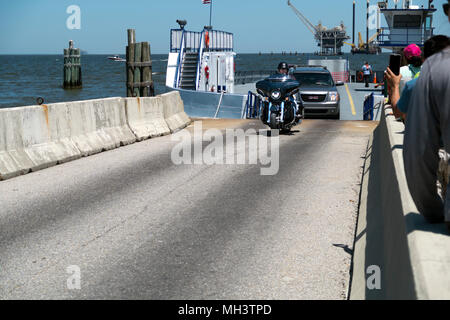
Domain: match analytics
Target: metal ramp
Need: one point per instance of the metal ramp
(189, 71)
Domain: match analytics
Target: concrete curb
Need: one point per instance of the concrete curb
(413, 255)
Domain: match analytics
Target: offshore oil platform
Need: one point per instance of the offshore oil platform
(406, 23)
(330, 41)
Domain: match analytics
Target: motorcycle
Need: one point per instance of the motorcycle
(279, 110)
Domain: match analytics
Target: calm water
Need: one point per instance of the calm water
(24, 78)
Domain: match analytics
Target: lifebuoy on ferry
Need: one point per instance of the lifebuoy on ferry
(207, 72)
(360, 76)
(207, 39)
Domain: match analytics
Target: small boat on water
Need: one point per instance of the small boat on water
(116, 58)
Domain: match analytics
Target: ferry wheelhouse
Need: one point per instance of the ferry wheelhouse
(407, 24)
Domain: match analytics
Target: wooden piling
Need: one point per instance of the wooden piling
(130, 72)
(72, 68)
(147, 88)
(131, 36)
(137, 70)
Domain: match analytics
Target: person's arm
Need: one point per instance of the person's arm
(405, 97)
(421, 146)
(394, 94)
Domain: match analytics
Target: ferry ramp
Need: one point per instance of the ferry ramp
(139, 226)
(352, 101)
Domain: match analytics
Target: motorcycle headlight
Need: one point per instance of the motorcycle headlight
(334, 96)
(276, 95)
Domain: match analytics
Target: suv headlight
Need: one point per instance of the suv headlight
(334, 96)
(276, 94)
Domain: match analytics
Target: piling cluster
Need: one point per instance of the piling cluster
(139, 68)
(72, 67)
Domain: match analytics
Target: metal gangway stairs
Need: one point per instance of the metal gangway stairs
(188, 76)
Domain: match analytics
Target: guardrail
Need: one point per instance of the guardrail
(370, 105)
(253, 106)
(403, 37)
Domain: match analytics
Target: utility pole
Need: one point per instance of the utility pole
(367, 26)
(354, 15)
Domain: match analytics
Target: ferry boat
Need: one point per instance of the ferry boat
(201, 67)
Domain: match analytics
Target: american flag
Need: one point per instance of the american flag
(206, 1)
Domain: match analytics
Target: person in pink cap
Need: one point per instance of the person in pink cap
(413, 56)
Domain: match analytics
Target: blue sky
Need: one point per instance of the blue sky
(39, 26)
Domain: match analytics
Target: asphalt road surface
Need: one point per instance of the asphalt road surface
(137, 226)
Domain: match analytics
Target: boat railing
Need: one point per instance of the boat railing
(370, 106)
(180, 59)
(243, 77)
(253, 106)
(199, 60)
(218, 40)
(403, 37)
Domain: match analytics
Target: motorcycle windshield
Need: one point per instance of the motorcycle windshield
(281, 83)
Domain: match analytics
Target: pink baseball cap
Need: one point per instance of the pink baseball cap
(412, 50)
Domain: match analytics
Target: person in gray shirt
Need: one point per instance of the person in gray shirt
(427, 127)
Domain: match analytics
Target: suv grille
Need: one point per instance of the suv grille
(313, 97)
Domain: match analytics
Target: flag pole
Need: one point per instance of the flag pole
(210, 13)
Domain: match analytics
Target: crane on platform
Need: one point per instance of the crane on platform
(363, 47)
(302, 18)
(330, 41)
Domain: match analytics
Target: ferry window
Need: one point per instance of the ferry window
(428, 22)
(407, 21)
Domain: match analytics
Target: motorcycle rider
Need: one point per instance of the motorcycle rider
(283, 68)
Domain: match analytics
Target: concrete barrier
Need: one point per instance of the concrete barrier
(145, 117)
(36, 137)
(174, 113)
(412, 256)
(99, 125)
(32, 140)
(13, 159)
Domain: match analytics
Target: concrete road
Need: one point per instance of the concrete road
(140, 227)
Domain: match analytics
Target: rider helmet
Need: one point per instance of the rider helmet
(283, 66)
